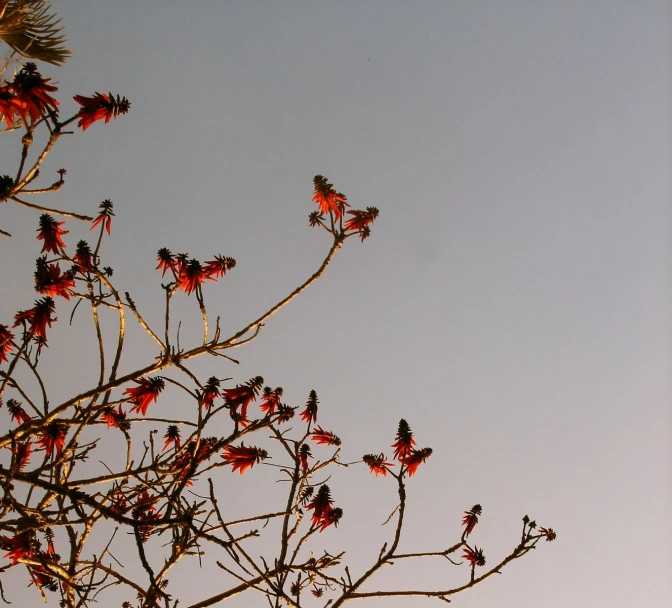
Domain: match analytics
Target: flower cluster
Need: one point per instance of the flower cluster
(324, 515)
(243, 457)
(141, 396)
(190, 274)
(100, 106)
(27, 97)
(404, 451)
(240, 397)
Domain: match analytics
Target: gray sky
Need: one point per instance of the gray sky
(512, 302)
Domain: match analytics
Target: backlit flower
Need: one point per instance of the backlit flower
(191, 276)
(360, 220)
(17, 412)
(83, 256)
(8, 105)
(101, 105)
(115, 418)
(415, 459)
(317, 591)
(166, 261)
(324, 514)
(50, 232)
(172, 437)
(405, 442)
(241, 396)
(31, 93)
(470, 519)
(104, 216)
(474, 556)
(50, 281)
(243, 457)
(327, 198)
(6, 344)
(304, 455)
(22, 451)
(38, 318)
(53, 436)
(219, 266)
(285, 413)
(309, 414)
(141, 396)
(210, 392)
(21, 546)
(187, 458)
(322, 437)
(549, 533)
(271, 400)
(377, 464)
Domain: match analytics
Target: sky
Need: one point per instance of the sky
(512, 303)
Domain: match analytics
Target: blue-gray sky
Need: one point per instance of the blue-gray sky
(513, 301)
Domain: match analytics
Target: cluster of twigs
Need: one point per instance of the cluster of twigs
(166, 496)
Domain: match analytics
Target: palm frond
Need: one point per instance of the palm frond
(32, 30)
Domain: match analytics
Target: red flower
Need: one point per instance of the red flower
(309, 414)
(17, 412)
(377, 464)
(115, 418)
(101, 105)
(470, 519)
(50, 232)
(322, 437)
(327, 198)
(166, 261)
(6, 344)
(241, 396)
(416, 458)
(190, 455)
(83, 256)
(31, 93)
(39, 317)
(21, 546)
(172, 436)
(141, 396)
(219, 266)
(549, 533)
(360, 220)
(474, 556)
(53, 436)
(271, 400)
(304, 455)
(317, 591)
(323, 513)
(105, 216)
(404, 443)
(191, 276)
(50, 281)
(22, 451)
(243, 457)
(144, 510)
(285, 413)
(8, 105)
(210, 393)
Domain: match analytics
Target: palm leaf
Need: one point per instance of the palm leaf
(31, 30)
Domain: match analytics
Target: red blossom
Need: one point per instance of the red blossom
(50, 232)
(104, 216)
(327, 198)
(38, 317)
(166, 261)
(271, 400)
(145, 510)
(83, 256)
(285, 413)
(415, 459)
(309, 414)
(17, 412)
(470, 519)
(115, 418)
(404, 443)
(360, 220)
(322, 437)
(191, 276)
(189, 454)
(317, 591)
(377, 464)
(241, 396)
(8, 105)
(549, 533)
(6, 344)
(219, 266)
(22, 451)
(101, 105)
(474, 556)
(304, 455)
(172, 437)
(243, 457)
(324, 514)
(31, 93)
(21, 546)
(209, 393)
(141, 396)
(50, 281)
(53, 436)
